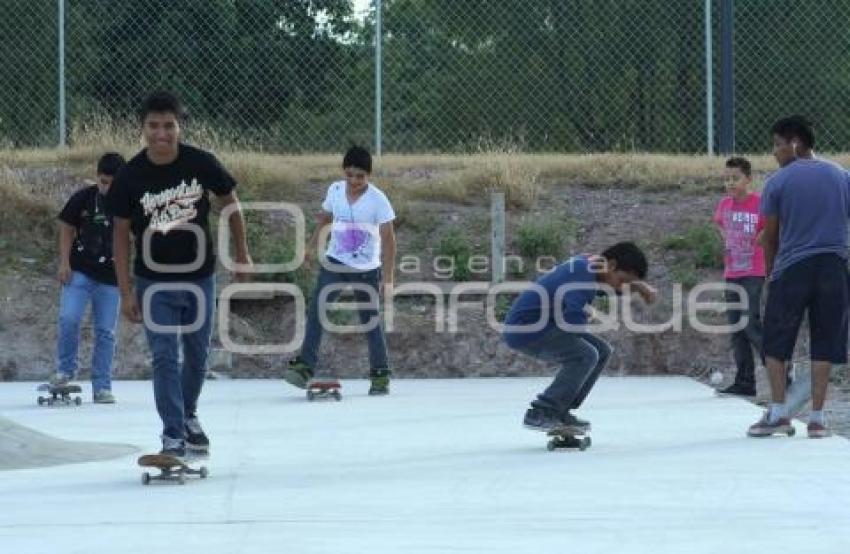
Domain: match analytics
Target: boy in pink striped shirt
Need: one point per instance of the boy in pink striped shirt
(740, 224)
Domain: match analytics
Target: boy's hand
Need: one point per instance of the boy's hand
(386, 291)
(310, 258)
(130, 308)
(648, 293)
(244, 274)
(64, 273)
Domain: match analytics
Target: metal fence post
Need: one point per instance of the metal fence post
(709, 82)
(62, 107)
(379, 8)
(497, 236)
(727, 93)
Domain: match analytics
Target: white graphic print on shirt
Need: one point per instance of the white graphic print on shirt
(172, 207)
(740, 239)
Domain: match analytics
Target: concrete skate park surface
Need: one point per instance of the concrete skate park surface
(438, 466)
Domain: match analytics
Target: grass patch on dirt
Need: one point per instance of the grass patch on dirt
(27, 224)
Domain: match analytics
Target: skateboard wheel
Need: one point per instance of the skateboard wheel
(791, 432)
(146, 478)
(550, 446)
(203, 472)
(41, 401)
(78, 401)
(338, 396)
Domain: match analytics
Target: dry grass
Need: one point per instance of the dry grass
(27, 221)
(467, 179)
(462, 179)
(269, 176)
(27, 209)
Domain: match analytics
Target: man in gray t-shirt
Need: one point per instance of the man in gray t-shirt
(805, 205)
(810, 197)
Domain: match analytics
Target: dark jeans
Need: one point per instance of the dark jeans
(748, 339)
(177, 383)
(582, 358)
(375, 337)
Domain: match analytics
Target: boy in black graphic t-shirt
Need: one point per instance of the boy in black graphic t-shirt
(87, 274)
(161, 195)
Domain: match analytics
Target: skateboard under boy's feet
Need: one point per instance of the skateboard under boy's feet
(59, 394)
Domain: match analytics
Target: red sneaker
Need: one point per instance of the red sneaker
(766, 428)
(818, 430)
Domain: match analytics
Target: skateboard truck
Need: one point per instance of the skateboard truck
(567, 439)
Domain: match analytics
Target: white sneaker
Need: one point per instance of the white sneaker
(103, 396)
(59, 379)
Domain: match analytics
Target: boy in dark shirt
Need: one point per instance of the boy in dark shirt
(162, 196)
(581, 355)
(87, 274)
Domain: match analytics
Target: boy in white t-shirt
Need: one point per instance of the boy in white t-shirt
(361, 253)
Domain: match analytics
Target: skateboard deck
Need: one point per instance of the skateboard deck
(324, 390)
(59, 395)
(170, 469)
(568, 438)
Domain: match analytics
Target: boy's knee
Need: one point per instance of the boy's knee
(104, 332)
(68, 321)
(590, 358)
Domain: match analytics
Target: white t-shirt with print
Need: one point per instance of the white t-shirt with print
(355, 238)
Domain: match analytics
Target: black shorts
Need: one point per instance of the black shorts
(818, 284)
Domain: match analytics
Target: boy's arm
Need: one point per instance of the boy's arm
(770, 241)
(66, 239)
(388, 251)
(121, 255)
(717, 219)
(313, 247)
(237, 229)
(646, 291)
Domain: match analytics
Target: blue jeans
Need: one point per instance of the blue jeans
(313, 333)
(582, 357)
(105, 300)
(177, 384)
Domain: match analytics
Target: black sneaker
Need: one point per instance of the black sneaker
(538, 419)
(737, 389)
(173, 447)
(570, 420)
(380, 382)
(298, 374)
(196, 439)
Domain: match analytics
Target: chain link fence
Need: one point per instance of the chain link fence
(543, 75)
(792, 57)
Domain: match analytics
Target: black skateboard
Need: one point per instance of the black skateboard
(170, 469)
(59, 395)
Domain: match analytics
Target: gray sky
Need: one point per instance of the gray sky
(360, 6)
